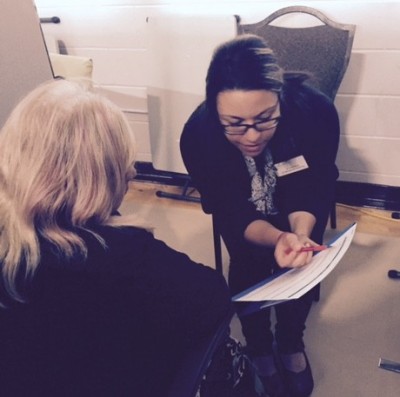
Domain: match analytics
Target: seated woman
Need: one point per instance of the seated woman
(90, 304)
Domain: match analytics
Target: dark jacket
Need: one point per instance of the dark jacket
(115, 324)
(309, 127)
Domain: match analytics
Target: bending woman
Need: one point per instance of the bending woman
(90, 305)
(261, 150)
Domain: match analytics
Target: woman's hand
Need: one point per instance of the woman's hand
(288, 250)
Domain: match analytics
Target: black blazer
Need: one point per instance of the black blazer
(309, 127)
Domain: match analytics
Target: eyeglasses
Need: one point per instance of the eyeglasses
(259, 126)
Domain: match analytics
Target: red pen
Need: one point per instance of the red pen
(314, 249)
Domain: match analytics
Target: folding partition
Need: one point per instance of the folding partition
(24, 61)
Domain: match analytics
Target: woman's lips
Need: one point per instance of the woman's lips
(252, 148)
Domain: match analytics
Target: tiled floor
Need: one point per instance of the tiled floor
(357, 319)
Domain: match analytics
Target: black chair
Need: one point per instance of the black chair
(188, 378)
(323, 50)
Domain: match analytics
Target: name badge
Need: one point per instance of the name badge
(290, 166)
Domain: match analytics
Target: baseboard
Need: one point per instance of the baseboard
(146, 172)
(349, 193)
(368, 195)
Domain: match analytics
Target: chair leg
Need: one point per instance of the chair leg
(217, 246)
(333, 216)
(317, 293)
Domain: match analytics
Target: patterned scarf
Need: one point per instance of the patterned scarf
(262, 187)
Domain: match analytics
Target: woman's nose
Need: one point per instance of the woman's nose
(252, 135)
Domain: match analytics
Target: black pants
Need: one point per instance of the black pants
(257, 327)
(252, 266)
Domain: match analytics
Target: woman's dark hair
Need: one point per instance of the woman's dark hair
(243, 63)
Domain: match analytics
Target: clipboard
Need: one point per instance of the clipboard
(289, 284)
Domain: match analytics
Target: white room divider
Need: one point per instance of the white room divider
(179, 51)
(24, 62)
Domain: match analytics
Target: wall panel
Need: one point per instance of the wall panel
(113, 33)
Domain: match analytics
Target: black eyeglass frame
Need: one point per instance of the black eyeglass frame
(254, 125)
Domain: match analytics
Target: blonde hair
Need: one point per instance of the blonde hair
(66, 155)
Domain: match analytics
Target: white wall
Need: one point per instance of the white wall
(113, 34)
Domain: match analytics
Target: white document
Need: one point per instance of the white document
(294, 283)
